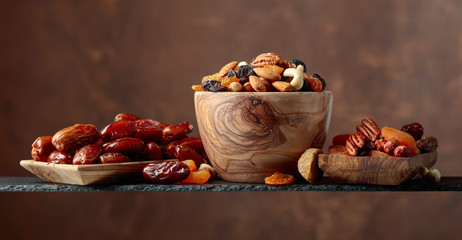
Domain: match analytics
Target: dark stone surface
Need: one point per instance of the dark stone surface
(33, 184)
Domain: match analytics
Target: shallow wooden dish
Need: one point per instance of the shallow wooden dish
(250, 135)
(83, 174)
(374, 170)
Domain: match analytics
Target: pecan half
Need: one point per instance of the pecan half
(354, 143)
(369, 129)
(267, 59)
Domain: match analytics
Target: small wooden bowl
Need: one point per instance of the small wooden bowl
(374, 170)
(250, 135)
(83, 174)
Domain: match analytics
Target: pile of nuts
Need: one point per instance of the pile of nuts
(370, 140)
(127, 138)
(268, 72)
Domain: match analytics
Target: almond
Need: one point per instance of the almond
(226, 68)
(283, 86)
(267, 74)
(257, 84)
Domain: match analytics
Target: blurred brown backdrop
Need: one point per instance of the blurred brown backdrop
(67, 62)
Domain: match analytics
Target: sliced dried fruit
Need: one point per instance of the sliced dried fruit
(278, 179)
(191, 164)
(308, 165)
(403, 138)
(198, 177)
(227, 81)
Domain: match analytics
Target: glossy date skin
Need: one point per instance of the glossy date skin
(41, 148)
(113, 157)
(74, 137)
(119, 129)
(124, 145)
(166, 172)
(148, 130)
(87, 154)
(175, 132)
(60, 157)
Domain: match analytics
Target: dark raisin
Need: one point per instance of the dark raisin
(245, 71)
(320, 79)
(232, 73)
(243, 80)
(213, 86)
(298, 62)
(306, 87)
(166, 172)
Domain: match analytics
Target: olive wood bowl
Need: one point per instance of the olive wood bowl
(374, 170)
(250, 135)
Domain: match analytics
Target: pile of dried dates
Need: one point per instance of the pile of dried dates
(130, 138)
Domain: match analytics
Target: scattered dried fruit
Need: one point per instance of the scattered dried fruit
(166, 172)
(403, 138)
(278, 179)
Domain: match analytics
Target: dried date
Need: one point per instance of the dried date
(113, 157)
(119, 129)
(60, 157)
(124, 145)
(87, 154)
(74, 137)
(166, 172)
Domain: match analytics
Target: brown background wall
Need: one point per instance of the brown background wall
(66, 62)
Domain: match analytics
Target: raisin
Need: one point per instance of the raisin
(297, 62)
(245, 71)
(244, 80)
(279, 179)
(166, 172)
(306, 87)
(320, 79)
(232, 73)
(213, 86)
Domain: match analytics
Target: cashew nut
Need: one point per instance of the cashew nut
(242, 63)
(297, 74)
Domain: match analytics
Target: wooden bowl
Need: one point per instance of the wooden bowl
(373, 170)
(84, 174)
(250, 135)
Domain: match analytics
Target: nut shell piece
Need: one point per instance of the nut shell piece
(308, 165)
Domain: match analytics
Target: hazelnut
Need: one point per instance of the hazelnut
(427, 144)
(402, 151)
(390, 146)
(379, 143)
(210, 169)
(433, 175)
(415, 129)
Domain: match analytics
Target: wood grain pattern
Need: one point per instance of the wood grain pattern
(373, 170)
(83, 174)
(249, 136)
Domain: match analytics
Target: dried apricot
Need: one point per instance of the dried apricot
(275, 68)
(403, 138)
(215, 76)
(191, 164)
(227, 81)
(315, 83)
(198, 177)
(278, 179)
(197, 88)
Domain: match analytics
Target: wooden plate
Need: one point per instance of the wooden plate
(83, 174)
(374, 170)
